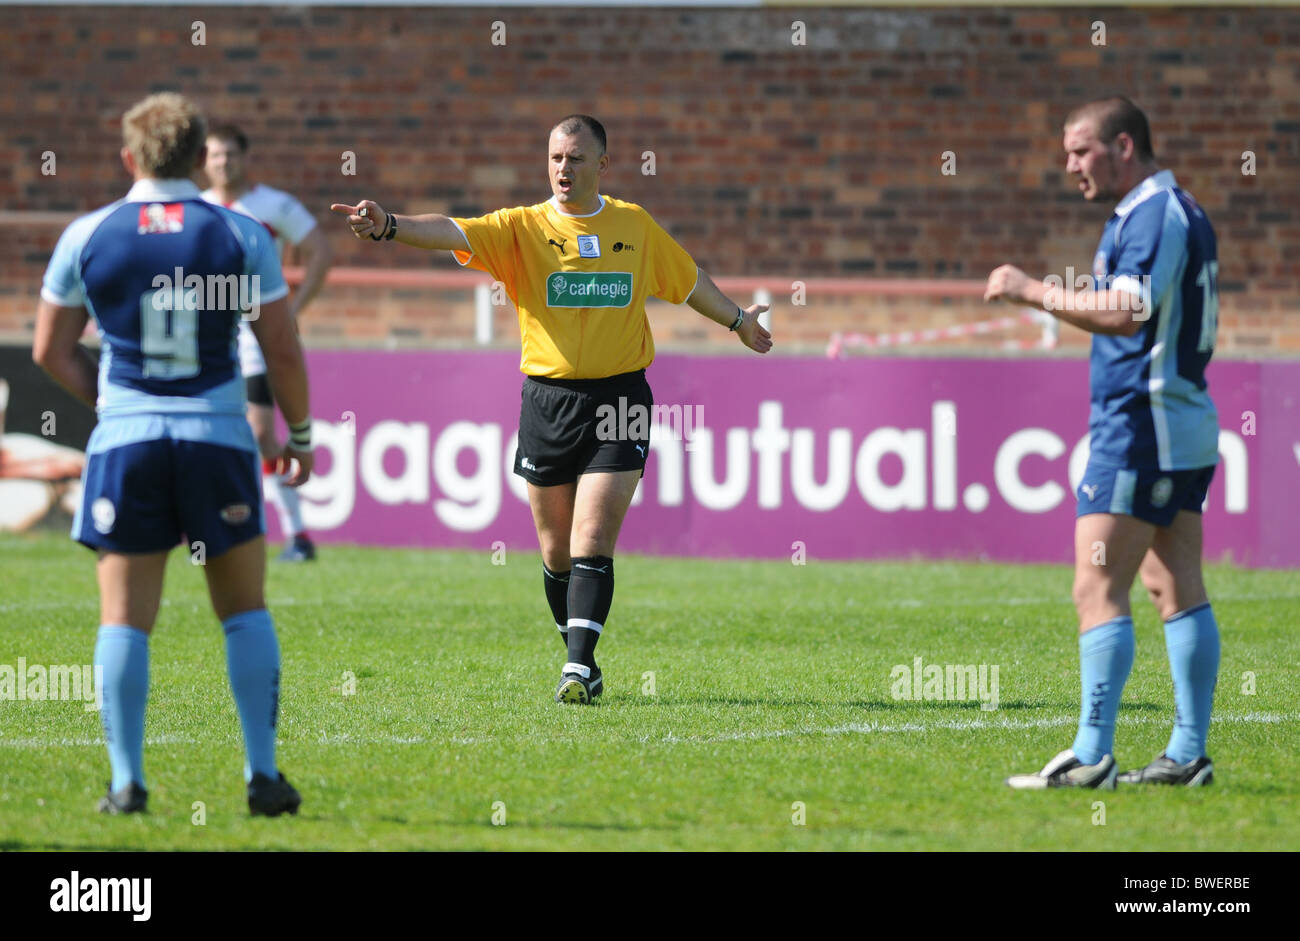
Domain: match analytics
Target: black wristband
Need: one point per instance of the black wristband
(740, 318)
(392, 227)
(388, 223)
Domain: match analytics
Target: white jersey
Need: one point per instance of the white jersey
(289, 222)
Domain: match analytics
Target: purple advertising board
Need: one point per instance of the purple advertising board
(763, 457)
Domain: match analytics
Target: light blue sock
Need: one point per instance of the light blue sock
(1192, 638)
(1105, 658)
(122, 662)
(253, 661)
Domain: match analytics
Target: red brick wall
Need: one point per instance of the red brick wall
(797, 161)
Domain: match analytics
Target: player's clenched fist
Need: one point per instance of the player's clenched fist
(367, 218)
(1009, 283)
(295, 465)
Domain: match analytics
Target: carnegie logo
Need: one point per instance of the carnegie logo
(589, 289)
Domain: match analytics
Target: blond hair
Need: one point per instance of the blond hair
(164, 133)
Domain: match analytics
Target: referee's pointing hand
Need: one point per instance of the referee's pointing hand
(366, 218)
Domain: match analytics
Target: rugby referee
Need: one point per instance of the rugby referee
(579, 268)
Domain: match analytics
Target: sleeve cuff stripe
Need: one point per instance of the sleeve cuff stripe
(467, 251)
(61, 301)
(1128, 285)
(693, 286)
(306, 232)
(270, 297)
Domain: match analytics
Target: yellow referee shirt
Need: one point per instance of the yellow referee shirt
(580, 282)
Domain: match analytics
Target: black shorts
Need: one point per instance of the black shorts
(258, 390)
(569, 427)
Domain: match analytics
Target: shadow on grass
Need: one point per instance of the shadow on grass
(19, 846)
(38, 846)
(10, 846)
(869, 705)
(563, 825)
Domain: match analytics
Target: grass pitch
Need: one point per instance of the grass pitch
(748, 706)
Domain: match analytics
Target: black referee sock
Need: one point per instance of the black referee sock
(557, 596)
(591, 592)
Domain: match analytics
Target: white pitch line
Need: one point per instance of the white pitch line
(343, 739)
(95, 742)
(852, 728)
(875, 728)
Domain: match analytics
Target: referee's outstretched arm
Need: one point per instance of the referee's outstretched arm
(438, 233)
(709, 300)
(432, 231)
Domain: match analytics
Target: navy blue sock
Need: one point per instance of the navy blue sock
(1192, 639)
(122, 668)
(253, 661)
(1105, 659)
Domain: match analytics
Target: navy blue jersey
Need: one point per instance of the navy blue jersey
(1150, 404)
(166, 277)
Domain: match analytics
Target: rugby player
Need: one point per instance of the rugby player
(172, 453)
(1153, 434)
(579, 268)
(289, 222)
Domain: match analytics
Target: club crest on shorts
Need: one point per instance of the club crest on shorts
(589, 246)
(104, 515)
(1161, 492)
(236, 514)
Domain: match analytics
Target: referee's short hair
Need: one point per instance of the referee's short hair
(1116, 115)
(575, 122)
(165, 134)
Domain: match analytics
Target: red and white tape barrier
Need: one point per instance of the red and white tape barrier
(916, 337)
